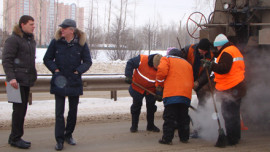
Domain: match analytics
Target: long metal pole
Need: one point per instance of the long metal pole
(212, 94)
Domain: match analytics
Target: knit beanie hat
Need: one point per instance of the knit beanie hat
(220, 40)
(204, 44)
(156, 60)
(169, 49)
(176, 52)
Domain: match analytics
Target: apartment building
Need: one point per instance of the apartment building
(48, 14)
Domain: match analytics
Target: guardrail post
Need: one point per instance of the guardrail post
(30, 98)
(114, 94)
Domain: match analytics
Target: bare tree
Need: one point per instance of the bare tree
(149, 32)
(90, 23)
(119, 34)
(109, 22)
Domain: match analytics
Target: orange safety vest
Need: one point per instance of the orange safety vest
(176, 76)
(190, 58)
(235, 75)
(144, 75)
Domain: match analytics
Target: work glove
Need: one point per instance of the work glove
(196, 85)
(206, 63)
(159, 93)
(158, 98)
(128, 80)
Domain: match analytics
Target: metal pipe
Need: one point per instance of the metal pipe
(251, 24)
(90, 83)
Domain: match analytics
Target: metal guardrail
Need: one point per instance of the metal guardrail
(97, 82)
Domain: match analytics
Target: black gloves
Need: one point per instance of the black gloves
(196, 85)
(159, 98)
(206, 63)
(128, 80)
(159, 93)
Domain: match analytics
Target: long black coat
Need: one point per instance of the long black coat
(19, 58)
(68, 58)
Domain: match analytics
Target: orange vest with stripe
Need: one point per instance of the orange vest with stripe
(176, 76)
(190, 58)
(235, 75)
(144, 75)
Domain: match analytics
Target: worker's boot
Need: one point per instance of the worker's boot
(194, 134)
(150, 123)
(134, 123)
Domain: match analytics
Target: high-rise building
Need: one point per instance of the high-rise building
(48, 14)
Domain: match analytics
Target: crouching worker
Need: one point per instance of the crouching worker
(144, 75)
(175, 75)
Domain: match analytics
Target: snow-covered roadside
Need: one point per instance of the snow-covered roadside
(45, 110)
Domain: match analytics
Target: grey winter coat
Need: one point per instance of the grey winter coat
(19, 57)
(68, 58)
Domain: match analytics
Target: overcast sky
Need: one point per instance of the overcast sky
(163, 11)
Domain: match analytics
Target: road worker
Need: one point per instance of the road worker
(175, 76)
(193, 54)
(229, 72)
(140, 70)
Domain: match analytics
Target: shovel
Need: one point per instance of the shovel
(152, 93)
(221, 142)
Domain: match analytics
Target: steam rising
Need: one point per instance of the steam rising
(205, 121)
(255, 106)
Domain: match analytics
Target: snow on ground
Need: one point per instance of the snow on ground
(43, 112)
(45, 109)
(101, 65)
(87, 106)
(101, 57)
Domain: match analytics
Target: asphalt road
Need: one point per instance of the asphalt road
(114, 136)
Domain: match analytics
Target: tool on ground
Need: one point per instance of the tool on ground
(221, 142)
(152, 93)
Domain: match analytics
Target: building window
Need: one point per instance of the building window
(26, 7)
(73, 11)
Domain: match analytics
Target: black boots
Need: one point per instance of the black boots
(150, 125)
(70, 140)
(162, 141)
(134, 122)
(133, 129)
(152, 128)
(20, 144)
(59, 146)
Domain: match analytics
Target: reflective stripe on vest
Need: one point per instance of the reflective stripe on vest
(147, 79)
(238, 59)
(236, 73)
(144, 75)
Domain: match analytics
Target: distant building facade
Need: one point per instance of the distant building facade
(48, 14)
